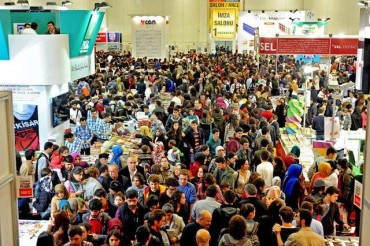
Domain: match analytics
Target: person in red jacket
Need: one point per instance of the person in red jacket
(268, 114)
(234, 143)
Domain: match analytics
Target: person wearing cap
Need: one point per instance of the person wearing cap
(174, 224)
(220, 152)
(318, 191)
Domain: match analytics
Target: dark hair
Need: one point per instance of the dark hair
(176, 197)
(48, 145)
(103, 168)
(238, 129)
(156, 215)
(86, 225)
(286, 214)
(29, 154)
(229, 196)
(131, 194)
(220, 159)
(100, 193)
(34, 25)
(62, 149)
(74, 230)
(151, 201)
(61, 220)
(215, 130)
(82, 119)
(75, 170)
(265, 130)
(237, 227)
(142, 234)
(211, 191)
(51, 22)
(265, 155)
(305, 214)
(45, 171)
(246, 209)
(343, 163)
(243, 141)
(307, 205)
(115, 186)
(264, 142)
(68, 135)
(45, 239)
(95, 204)
(68, 159)
(172, 181)
(141, 178)
(331, 150)
(331, 190)
(116, 234)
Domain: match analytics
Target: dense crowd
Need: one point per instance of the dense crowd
(205, 171)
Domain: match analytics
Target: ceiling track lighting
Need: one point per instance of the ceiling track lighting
(102, 5)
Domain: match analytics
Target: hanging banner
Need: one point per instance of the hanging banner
(26, 126)
(309, 46)
(223, 21)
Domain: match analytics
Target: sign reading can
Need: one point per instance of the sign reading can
(148, 22)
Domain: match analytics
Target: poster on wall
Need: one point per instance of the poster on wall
(148, 36)
(26, 126)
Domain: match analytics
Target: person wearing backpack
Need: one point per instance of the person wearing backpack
(222, 215)
(236, 233)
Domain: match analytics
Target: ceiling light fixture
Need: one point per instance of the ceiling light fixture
(66, 3)
(23, 2)
(102, 5)
(323, 19)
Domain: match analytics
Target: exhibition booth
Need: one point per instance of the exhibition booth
(37, 69)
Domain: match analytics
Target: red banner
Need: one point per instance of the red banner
(341, 46)
(308, 46)
(101, 38)
(268, 46)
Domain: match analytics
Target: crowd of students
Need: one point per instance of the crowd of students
(205, 172)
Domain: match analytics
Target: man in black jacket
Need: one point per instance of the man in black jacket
(203, 221)
(131, 168)
(331, 213)
(113, 171)
(251, 193)
(131, 214)
(318, 124)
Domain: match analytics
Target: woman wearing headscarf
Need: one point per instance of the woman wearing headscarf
(117, 156)
(147, 136)
(325, 170)
(292, 186)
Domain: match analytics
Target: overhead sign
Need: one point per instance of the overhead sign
(223, 23)
(223, 18)
(101, 38)
(308, 46)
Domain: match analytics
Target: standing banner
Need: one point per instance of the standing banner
(24, 186)
(357, 201)
(223, 18)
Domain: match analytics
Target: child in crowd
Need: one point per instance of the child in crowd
(119, 199)
(174, 154)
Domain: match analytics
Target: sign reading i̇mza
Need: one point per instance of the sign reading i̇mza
(223, 23)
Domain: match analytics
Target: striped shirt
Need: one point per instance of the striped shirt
(75, 146)
(102, 128)
(94, 124)
(85, 134)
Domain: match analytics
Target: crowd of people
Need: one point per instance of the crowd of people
(205, 172)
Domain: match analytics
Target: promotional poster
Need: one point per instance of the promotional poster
(26, 126)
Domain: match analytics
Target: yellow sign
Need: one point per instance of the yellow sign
(223, 23)
(223, 18)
